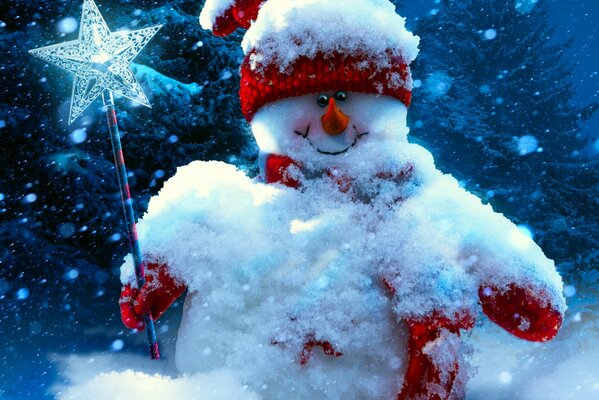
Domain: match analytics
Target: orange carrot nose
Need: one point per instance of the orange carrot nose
(334, 121)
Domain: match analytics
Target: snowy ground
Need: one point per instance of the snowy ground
(508, 368)
(565, 368)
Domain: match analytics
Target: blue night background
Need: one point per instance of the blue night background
(506, 93)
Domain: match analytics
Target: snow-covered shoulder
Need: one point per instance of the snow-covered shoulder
(200, 216)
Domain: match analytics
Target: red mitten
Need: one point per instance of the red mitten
(521, 311)
(157, 294)
(422, 370)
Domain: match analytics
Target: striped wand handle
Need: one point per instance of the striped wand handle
(117, 150)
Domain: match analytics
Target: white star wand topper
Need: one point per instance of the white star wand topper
(100, 61)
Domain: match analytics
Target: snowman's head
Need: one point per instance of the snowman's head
(320, 75)
(328, 124)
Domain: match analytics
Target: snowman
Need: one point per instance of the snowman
(351, 267)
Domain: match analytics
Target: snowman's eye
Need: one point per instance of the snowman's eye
(340, 96)
(323, 100)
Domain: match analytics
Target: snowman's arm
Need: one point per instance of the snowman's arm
(184, 216)
(520, 289)
(156, 295)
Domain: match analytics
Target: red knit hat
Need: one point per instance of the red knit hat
(267, 77)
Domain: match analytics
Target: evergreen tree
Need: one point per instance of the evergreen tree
(62, 236)
(191, 80)
(495, 106)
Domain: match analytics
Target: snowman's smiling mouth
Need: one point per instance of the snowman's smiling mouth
(332, 153)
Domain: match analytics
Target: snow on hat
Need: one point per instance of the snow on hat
(297, 47)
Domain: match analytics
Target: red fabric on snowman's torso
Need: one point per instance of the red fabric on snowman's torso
(515, 308)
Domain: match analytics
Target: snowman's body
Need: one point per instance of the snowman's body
(350, 267)
(303, 292)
